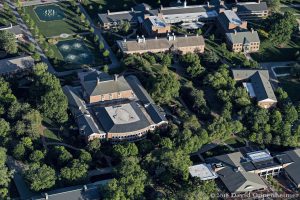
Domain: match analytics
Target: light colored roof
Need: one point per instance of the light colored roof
(99, 83)
(203, 171)
(15, 64)
(160, 43)
(243, 37)
(122, 122)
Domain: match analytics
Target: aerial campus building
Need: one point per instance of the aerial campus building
(243, 171)
(182, 45)
(238, 38)
(230, 20)
(258, 85)
(115, 108)
(184, 13)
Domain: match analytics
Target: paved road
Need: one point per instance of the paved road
(30, 37)
(115, 62)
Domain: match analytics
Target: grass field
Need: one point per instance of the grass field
(95, 56)
(70, 24)
(291, 86)
(269, 53)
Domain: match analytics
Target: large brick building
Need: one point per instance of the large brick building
(115, 108)
(172, 43)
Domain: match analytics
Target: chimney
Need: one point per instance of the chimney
(161, 7)
(156, 37)
(258, 1)
(208, 5)
(174, 37)
(132, 10)
(185, 35)
(234, 9)
(221, 3)
(98, 80)
(252, 30)
(144, 39)
(125, 40)
(235, 32)
(108, 12)
(184, 4)
(115, 77)
(46, 196)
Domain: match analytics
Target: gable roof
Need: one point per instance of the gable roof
(160, 43)
(242, 36)
(85, 122)
(11, 65)
(251, 7)
(240, 181)
(98, 83)
(260, 80)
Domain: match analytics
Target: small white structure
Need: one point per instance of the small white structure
(203, 171)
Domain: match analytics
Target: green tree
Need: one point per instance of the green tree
(282, 28)
(130, 181)
(19, 151)
(8, 42)
(165, 87)
(63, 155)
(85, 157)
(75, 173)
(191, 62)
(106, 53)
(4, 128)
(94, 146)
(36, 156)
(5, 175)
(40, 177)
(51, 100)
(101, 46)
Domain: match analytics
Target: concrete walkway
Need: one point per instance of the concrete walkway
(114, 61)
(30, 37)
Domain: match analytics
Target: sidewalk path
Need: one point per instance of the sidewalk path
(30, 37)
(114, 61)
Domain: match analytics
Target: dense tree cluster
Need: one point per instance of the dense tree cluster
(191, 62)
(282, 27)
(8, 42)
(5, 174)
(48, 94)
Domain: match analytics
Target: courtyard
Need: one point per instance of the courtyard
(56, 19)
(76, 53)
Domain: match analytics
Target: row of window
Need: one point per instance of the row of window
(130, 136)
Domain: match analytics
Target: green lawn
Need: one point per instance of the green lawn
(235, 142)
(294, 10)
(291, 86)
(70, 24)
(51, 136)
(269, 53)
(60, 64)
